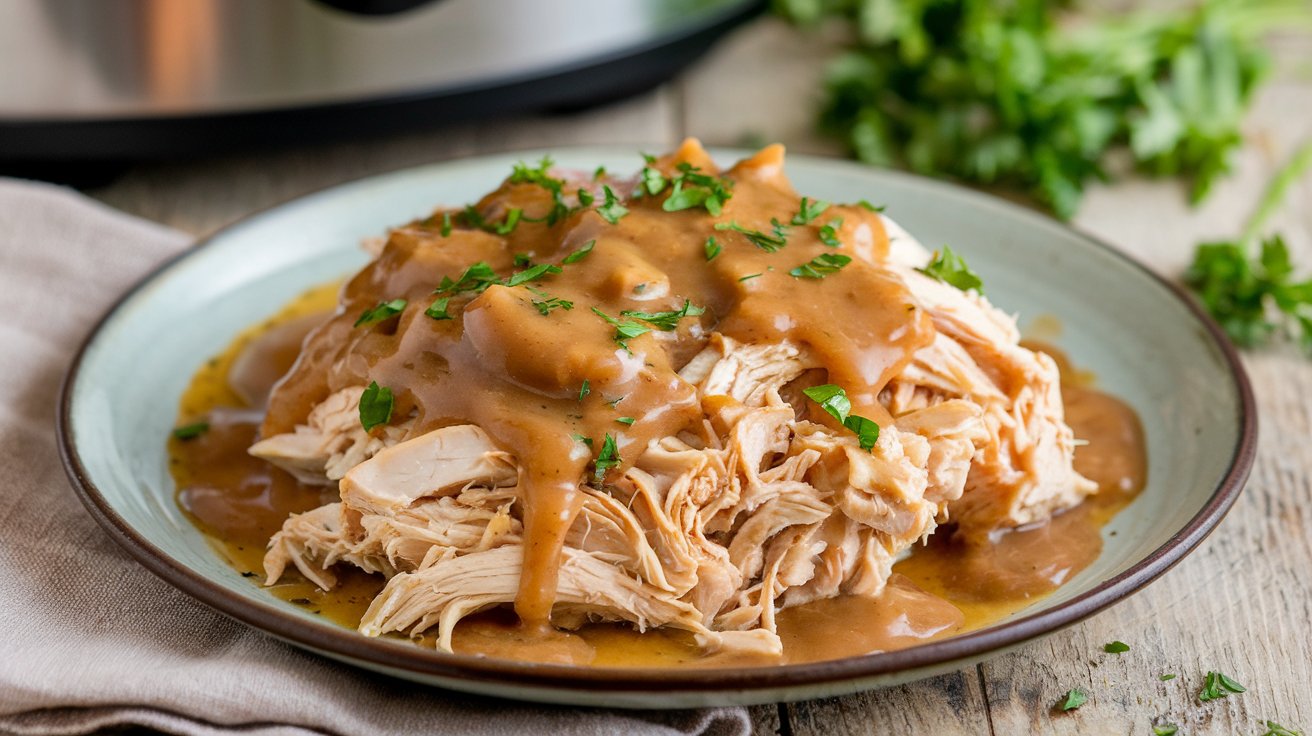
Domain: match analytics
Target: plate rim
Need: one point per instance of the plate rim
(341, 642)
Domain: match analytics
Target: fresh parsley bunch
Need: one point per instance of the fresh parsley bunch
(1020, 94)
(1249, 288)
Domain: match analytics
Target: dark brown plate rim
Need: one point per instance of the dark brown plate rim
(401, 656)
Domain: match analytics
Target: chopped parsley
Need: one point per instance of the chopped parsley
(1164, 678)
(1074, 699)
(1116, 647)
(1216, 686)
(748, 277)
(653, 181)
(532, 273)
(522, 260)
(524, 174)
(477, 277)
(191, 431)
(767, 243)
(383, 311)
(507, 225)
(1275, 729)
(690, 188)
(580, 438)
(624, 329)
(829, 233)
(585, 389)
(865, 204)
(951, 269)
(611, 210)
(1165, 729)
(628, 421)
(446, 225)
(833, 399)
(808, 210)
(586, 198)
(598, 173)
(375, 406)
(666, 321)
(579, 254)
(820, 266)
(547, 303)
(437, 310)
(607, 458)
(712, 248)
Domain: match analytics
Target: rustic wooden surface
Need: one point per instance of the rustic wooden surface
(1241, 604)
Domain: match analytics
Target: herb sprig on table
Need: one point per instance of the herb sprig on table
(1024, 95)
(1248, 284)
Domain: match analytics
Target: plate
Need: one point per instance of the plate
(1145, 340)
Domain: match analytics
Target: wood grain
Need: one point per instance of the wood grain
(1242, 604)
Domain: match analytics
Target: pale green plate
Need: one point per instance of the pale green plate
(1144, 340)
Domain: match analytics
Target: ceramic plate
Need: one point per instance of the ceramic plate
(1143, 339)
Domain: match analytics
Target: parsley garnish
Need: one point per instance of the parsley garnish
(808, 210)
(437, 310)
(1275, 729)
(712, 248)
(381, 312)
(666, 321)
(833, 399)
(691, 189)
(522, 260)
(580, 438)
(829, 233)
(1165, 729)
(475, 278)
(586, 198)
(579, 254)
(611, 210)
(748, 277)
(585, 389)
(767, 243)
(820, 266)
(1074, 699)
(865, 204)
(624, 330)
(1253, 298)
(598, 173)
(608, 458)
(626, 420)
(1164, 678)
(1116, 647)
(549, 302)
(191, 431)
(1217, 685)
(532, 273)
(375, 406)
(512, 219)
(653, 181)
(951, 269)
(523, 174)
(446, 224)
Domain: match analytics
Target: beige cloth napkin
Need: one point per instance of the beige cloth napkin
(88, 638)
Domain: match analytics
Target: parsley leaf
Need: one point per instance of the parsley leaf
(607, 458)
(1074, 699)
(547, 303)
(446, 224)
(951, 269)
(532, 273)
(524, 174)
(1116, 647)
(579, 254)
(653, 181)
(584, 390)
(833, 399)
(624, 330)
(767, 243)
(1217, 685)
(748, 277)
(626, 420)
(477, 277)
(611, 210)
(580, 438)
(522, 260)
(829, 233)
(191, 431)
(1165, 729)
(383, 311)
(1275, 729)
(375, 406)
(808, 210)
(865, 204)
(712, 248)
(1164, 678)
(666, 321)
(437, 310)
(691, 188)
(820, 266)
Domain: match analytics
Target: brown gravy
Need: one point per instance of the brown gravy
(943, 588)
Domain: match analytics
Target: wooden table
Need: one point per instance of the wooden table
(1241, 604)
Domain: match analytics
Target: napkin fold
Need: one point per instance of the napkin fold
(91, 640)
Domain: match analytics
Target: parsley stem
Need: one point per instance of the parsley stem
(1274, 195)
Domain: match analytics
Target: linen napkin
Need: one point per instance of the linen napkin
(91, 640)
